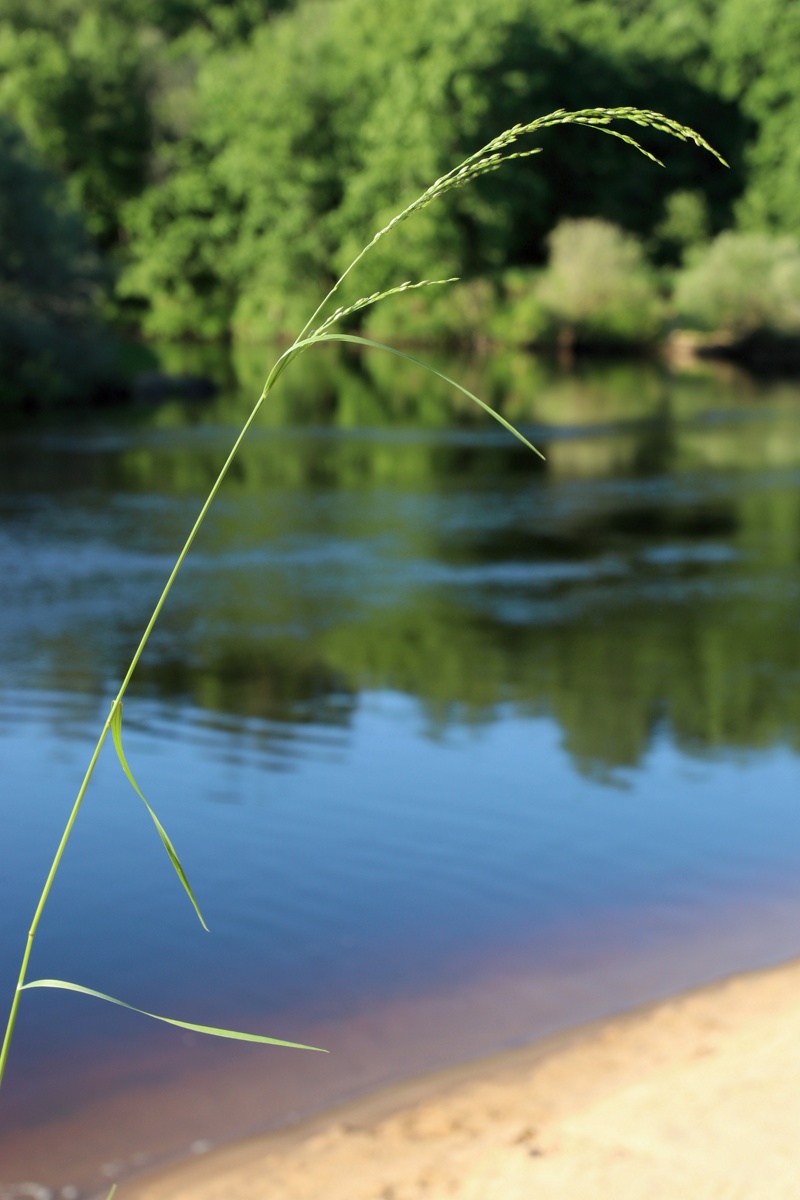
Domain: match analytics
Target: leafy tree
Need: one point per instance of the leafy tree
(229, 155)
(226, 20)
(310, 133)
(76, 85)
(756, 49)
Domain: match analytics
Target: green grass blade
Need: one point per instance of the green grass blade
(116, 733)
(362, 341)
(211, 1030)
(112, 1193)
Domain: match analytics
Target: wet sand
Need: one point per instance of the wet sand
(697, 1096)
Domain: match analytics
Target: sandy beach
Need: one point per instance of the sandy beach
(696, 1097)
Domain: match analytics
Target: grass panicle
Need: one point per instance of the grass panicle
(493, 155)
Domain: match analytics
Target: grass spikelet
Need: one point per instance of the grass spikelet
(366, 301)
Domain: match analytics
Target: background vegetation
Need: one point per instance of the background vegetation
(225, 159)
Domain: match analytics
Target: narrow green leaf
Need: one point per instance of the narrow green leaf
(116, 733)
(112, 1193)
(362, 341)
(209, 1029)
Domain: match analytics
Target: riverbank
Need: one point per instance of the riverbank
(697, 1096)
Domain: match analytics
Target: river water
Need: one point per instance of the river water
(458, 749)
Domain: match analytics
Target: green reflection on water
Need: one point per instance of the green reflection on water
(668, 516)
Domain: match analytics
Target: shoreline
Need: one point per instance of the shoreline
(695, 1095)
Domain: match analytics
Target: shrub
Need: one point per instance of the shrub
(505, 311)
(598, 286)
(742, 283)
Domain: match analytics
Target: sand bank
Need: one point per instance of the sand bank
(695, 1097)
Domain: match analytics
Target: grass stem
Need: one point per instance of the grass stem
(489, 158)
(62, 845)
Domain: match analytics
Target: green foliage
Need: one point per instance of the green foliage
(684, 225)
(50, 285)
(228, 154)
(225, 20)
(86, 82)
(520, 318)
(461, 313)
(756, 49)
(316, 129)
(598, 286)
(506, 310)
(185, 287)
(75, 83)
(743, 283)
(232, 230)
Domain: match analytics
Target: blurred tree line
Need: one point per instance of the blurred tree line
(225, 159)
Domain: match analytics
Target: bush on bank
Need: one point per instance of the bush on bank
(597, 289)
(742, 284)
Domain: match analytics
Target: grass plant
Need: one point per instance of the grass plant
(318, 330)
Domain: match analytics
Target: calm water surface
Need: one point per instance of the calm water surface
(458, 750)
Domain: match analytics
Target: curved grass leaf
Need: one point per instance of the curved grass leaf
(116, 733)
(211, 1030)
(362, 341)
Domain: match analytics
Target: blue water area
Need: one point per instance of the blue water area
(456, 750)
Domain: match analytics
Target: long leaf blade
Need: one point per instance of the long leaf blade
(211, 1030)
(362, 341)
(116, 733)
